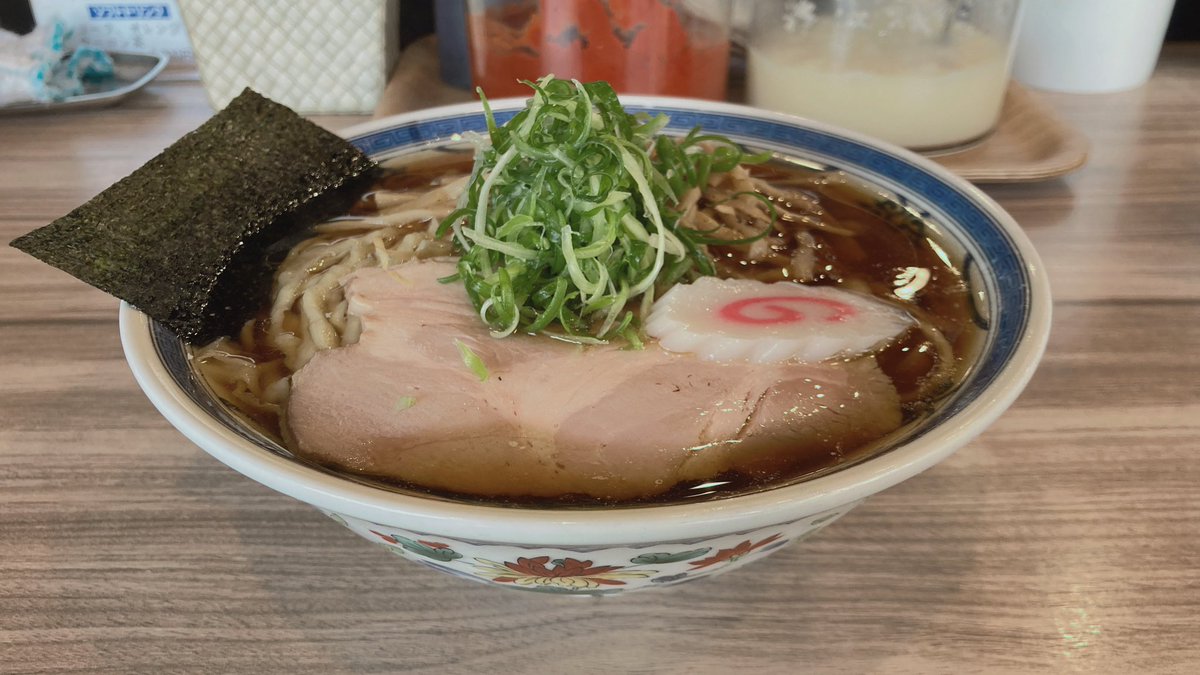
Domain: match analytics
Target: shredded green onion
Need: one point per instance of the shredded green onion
(570, 215)
(471, 360)
(404, 403)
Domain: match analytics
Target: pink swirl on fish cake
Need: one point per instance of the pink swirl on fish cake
(782, 309)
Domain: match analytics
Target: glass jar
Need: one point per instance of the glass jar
(666, 47)
(925, 74)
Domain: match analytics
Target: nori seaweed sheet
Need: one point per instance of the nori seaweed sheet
(186, 237)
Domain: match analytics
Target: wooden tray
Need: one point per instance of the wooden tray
(1030, 143)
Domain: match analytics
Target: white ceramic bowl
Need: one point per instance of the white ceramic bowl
(617, 549)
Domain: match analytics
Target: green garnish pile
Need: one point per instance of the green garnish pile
(571, 213)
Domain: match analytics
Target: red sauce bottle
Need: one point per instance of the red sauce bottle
(660, 47)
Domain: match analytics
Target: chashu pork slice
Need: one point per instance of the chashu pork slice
(553, 418)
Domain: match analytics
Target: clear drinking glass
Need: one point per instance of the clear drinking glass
(925, 74)
(666, 47)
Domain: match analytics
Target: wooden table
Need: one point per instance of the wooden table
(1065, 539)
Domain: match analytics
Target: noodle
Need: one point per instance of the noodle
(308, 310)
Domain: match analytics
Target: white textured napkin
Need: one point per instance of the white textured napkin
(316, 56)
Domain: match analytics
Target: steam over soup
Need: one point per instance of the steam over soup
(569, 321)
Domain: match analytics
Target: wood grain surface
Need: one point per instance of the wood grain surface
(1065, 539)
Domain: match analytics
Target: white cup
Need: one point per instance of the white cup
(1090, 46)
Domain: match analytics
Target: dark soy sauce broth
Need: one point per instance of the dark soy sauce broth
(887, 239)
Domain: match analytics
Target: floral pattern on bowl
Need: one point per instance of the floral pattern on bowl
(589, 570)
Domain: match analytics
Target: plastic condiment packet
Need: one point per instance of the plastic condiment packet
(33, 68)
(27, 62)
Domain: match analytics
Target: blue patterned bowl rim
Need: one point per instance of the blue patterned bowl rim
(1018, 308)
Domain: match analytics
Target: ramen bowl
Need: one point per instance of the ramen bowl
(599, 550)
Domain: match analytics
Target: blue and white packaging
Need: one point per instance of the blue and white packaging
(121, 26)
